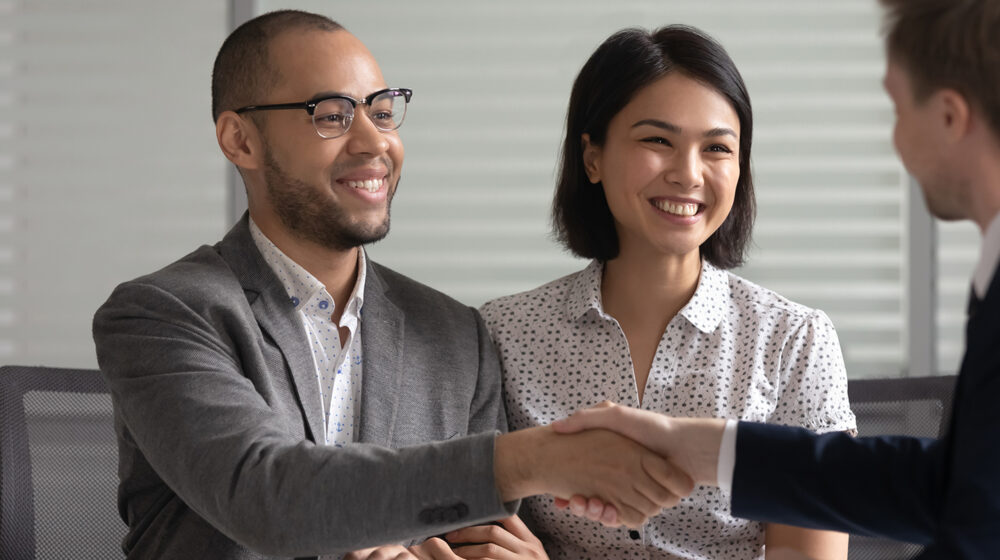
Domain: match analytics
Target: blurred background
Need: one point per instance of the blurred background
(109, 167)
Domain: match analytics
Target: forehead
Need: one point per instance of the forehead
(308, 63)
(683, 101)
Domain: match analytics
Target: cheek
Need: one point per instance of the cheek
(724, 179)
(396, 153)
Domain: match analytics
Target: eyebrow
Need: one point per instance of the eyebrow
(670, 127)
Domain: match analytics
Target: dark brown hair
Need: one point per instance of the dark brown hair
(242, 74)
(625, 63)
(952, 44)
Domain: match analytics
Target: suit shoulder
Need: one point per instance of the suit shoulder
(199, 275)
(415, 296)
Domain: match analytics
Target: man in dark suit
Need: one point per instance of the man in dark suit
(943, 76)
(274, 392)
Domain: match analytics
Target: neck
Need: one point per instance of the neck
(336, 270)
(979, 170)
(985, 192)
(640, 284)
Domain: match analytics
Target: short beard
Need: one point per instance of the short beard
(311, 216)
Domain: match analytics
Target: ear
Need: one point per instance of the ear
(591, 158)
(956, 116)
(239, 140)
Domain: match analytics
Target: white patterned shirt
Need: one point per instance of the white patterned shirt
(338, 369)
(736, 350)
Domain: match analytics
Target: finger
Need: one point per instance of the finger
(578, 506)
(486, 551)
(433, 549)
(392, 552)
(516, 527)
(560, 503)
(660, 481)
(479, 534)
(631, 518)
(594, 507)
(593, 417)
(633, 505)
(597, 506)
(669, 483)
(609, 516)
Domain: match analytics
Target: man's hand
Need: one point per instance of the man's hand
(626, 475)
(510, 541)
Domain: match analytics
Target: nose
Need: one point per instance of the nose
(364, 137)
(685, 169)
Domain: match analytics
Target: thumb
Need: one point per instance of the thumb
(593, 417)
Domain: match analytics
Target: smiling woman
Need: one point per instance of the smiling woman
(655, 186)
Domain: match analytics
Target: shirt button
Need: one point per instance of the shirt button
(634, 535)
(324, 304)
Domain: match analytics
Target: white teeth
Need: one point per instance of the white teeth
(685, 209)
(370, 185)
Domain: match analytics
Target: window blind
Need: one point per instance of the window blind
(108, 163)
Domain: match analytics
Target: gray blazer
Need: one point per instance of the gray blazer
(218, 414)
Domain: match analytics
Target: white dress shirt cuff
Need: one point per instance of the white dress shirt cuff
(727, 457)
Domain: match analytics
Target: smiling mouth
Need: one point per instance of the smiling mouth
(370, 185)
(677, 209)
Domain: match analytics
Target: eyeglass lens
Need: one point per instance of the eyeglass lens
(333, 117)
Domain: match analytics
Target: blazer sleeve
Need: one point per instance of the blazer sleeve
(889, 487)
(212, 437)
(487, 411)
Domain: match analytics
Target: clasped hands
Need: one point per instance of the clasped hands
(608, 463)
(689, 447)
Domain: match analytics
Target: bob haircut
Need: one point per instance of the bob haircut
(626, 62)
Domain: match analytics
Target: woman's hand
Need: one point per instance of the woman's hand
(510, 540)
(431, 549)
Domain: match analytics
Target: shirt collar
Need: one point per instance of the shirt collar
(989, 255)
(302, 286)
(707, 307)
(705, 310)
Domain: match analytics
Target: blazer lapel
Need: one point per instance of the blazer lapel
(382, 336)
(277, 318)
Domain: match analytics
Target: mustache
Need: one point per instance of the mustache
(344, 167)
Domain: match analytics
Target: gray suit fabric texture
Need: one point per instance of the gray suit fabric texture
(218, 414)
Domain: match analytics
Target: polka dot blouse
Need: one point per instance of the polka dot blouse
(736, 350)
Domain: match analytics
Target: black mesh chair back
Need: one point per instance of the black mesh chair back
(58, 465)
(912, 406)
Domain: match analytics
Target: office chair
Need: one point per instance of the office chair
(58, 465)
(913, 406)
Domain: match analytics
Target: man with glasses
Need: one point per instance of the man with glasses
(274, 392)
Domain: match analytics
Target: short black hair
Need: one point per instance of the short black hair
(625, 63)
(242, 74)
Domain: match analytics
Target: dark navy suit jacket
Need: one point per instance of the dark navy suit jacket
(944, 493)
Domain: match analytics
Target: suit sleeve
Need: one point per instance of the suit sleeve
(487, 412)
(211, 436)
(879, 486)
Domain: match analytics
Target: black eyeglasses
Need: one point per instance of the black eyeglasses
(332, 115)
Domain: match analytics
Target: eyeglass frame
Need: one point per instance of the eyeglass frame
(310, 107)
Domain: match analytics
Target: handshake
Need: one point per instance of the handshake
(609, 463)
